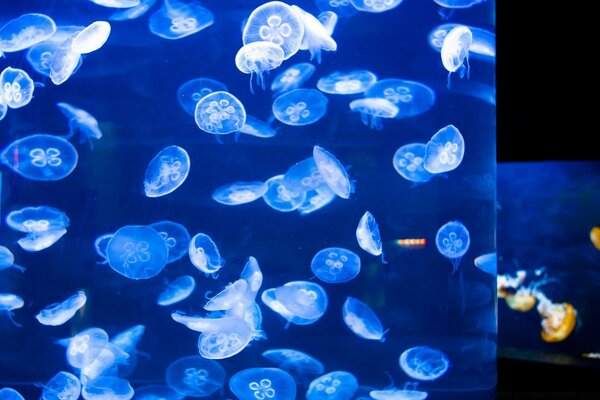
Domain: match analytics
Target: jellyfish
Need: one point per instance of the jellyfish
(239, 193)
(117, 3)
(40, 157)
(166, 171)
(44, 226)
(351, 82)
(295, 361)
(16, 87)
(128, 339)
(412, 98)
(316, 199)
(257, 58)
(445, 151)
(25, 31)
(483, 46)
(275, 22)
(156, 392)
(343, 8)
(40, 55)
(254, 278)
(62, 386)
(82, 122)
(300, 107)
(205, 255)
(176, 236)
(8, 393)
(85, 346)
(458, 3)
(373, 109)
(361, 320)
(91, 38)
(108, 358)
(263, 383)
(367, 235)
(220, 113)
(409, 392)
(65, 61)
(335, 265)
(177, 19)
(333, 173)
(306, 300)
(595, 237)
(190, 93)
(316, 36)
(303, 176)
(280, 198)
(452, 241)
(57, 314)
(455, 51)
(229, 297)
(525, 297)
(195, 376)
(292, 78)
(487, 263)
(329, 20)
(336, 385)
(100, 244)
(408, 161)
(558, 319)
(424, 363)
(257, 128)
(7, 260)
(137, 252)
(506, 283)
(132, 13)
(8, 303)
(375, 6)
(107, 387)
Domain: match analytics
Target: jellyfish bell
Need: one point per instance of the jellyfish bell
(257, 58)
(177, 19)
(316, 36)
(452, 241)
(25, 31)
(263, 383)
(522, 300)
(455, 51)
(220, 113)
(558, 319)
(373, 109)
(91, 38)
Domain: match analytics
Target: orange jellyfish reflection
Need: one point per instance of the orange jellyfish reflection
(558, 319)
(595, 237)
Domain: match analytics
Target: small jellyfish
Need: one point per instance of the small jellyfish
(483, 46)
(335, 265)
(333, 173)
(316, 36)
(190, 93)
(195, 376)
(343, 8)
(40, 157)
(44, 226)
(300, 107)
(107, 387)
(487, 263)
(132, 13)
(100, 244)
(275, 22)
(7, 260)
(176, 236)
(239, 193)
(8, 303)
(316, 199)
(8, 393)
(219, 113)
(367, 235)
(91, 38)
(455, 51)
(137, 252)
(128, 339)
(452, 241)
(375, 6)
(85, 347)
(409, 392)
(350, 82)
(373, 109)
(257, 128)
(445, 151)
(305, 300)
(295, 361)
(205, 255)
(257, 58)
(58, 313)
(303, 176)
(361, 320)
(117, 3)
(336, 385)
(424, 363)
(408, 161)
(558, 319)
(156, 392)
(166, 171)
(16, 87)
(82, 122)
(263, 383)
(229, 297)
(62, 386)
(292, 78)
(280, 198)
(65, 61)
(177, 19)
(411, 98)
(40, 55)
(25, 31)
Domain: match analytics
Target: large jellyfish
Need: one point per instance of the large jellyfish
(316, 36)
(336, 385)
(263, 383)
(455, 51)
(412, 98)
(58, 313)
(292, 78)
(257, 58)
(220, 113)
(177, 19)
(335, 265)
(300, 107)
(333, 173)
(190, 93)
(205, 255)
(424, 363)
(361, 320)
(239, 193)
(280, 198)
(25, 31)
(91, 38)
(82, 122)
(408, 161)
(62, 386)
(351, 82)
(373, 109)
(8, 303)
(452, 241)
(176, 236)
(195, 376)
(44, 226)
(166, 171)
(445, 151)
(367, 235)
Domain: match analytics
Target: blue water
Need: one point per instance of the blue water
(129, 85)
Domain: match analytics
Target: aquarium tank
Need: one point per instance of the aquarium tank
(247, 199)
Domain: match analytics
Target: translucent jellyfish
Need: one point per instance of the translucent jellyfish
(335, 265)
(7, 260)
(487, 263)
(458, 3)
(292, 78)
(452, 241)
(100, 244)
(25, 31)
(44, 226)
(303, 176)
(343, 8)
(62, 386)
(367, 235)
(166, 171)
(361, 320)
(156, 392)
(445, 151)
(350, 82)
(204, 254)
(117, 3)
(220, 113)
(190, 93)
(177, 19)
(195, 376)
(558, 320)
(483, 46)
(375, 6)
(455, 51)
(316, 199)
(306, 300)
(409, 392)
(132, 13)
(257, 58)
(263, 383)
(277, 23)
(300, 107)
(408, 161)
(82, 122)
(8, 303)
(258, 128)
(333, 173)
(40, 55)
(239, 193)
(58, 313)
(65, 61)
(229, 297)
(424, 363)
(10, 394)
(280, 198)
(336, 385)
(16, 87)
(137, 252)
(411, 98)
(295, 361)
(329, 20)
(176, 236)
(254, 278)
(316, 36)
(91, 38)
(85, 346)
(107, 387)
(128, 339)
(373, 109)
